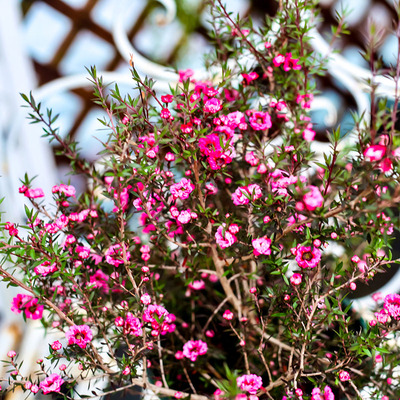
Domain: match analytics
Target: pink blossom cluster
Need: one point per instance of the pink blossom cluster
(31, 193)
(161, 321)
(225, 235)
(63, 221)
(280, 180)
(311, 200)
(28, 305)
(114, 255)
(326, 394)
(194, 348)
(244, 194)
(261, 246)
(12, 230)
(217, 150)
(66, 190)
(51, 384)
(46, 268)
(182, 189)
(392, 305)
(249, 383)
(183, 216)
(150, 143)
(99, 280)
(288, 62)
(131, 325)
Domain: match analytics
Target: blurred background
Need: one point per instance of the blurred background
(45, 46)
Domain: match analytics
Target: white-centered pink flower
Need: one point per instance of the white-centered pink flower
(51, 384)
(194, 348)
(392, 305)
(261, 246)
(249, 383)
(182, 189)
(375, 152)
(244, 194)
(296, 279)
(224, 239)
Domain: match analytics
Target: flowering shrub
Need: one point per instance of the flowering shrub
(198, 261)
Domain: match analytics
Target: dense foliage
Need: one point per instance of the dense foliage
(202, 259)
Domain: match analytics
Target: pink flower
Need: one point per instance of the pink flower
(219, 161)
(185, 74)
(68, 190)
(168, 98)
(296, 279)
(244, 194)
(308, 135)
(197, 285)
(46, 268)
(299, 392)
(165, 113)
(261, 246)
(251, 158)
(11, 354)
(12, 230)
(161, 320)
(51, 384)
(228, 315)
(375, 152)
(250, 383)
(100, 280)
(313, 198)
(260, 121)
(247, 78)
(182, 189)
(34, 193)
(211, 189)
(328, 394)
(210, 145)
(224, 239)
(212, 105)
(115, 255)
(56, 345)
(132, 325)
(382, 316)
(291, 63)
(392, 305)
(83, 252)
(126, 371)
(184, 216)
(194, 348)
(145, 299)
(386, 165)
(344, 376)
(19, 303)
(33, 310)
(307, 257)
(278, 60)
(34, 388)
(80, 335)
(305, 100)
